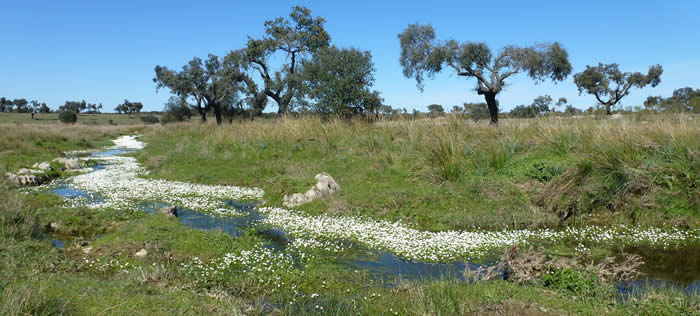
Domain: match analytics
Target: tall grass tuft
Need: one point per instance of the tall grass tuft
(445, 159)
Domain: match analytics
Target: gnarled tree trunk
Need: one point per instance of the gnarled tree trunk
(217, 113)
(492, 104)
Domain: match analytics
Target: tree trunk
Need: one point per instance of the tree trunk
(608, 109)
(202, 111)
(283, 105)
(217, 113)
(493, 106)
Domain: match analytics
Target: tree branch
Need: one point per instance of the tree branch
(601, 101)
(508, 74)
(469, 73)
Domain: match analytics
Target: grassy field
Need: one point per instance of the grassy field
(83, 119)
(450, 173)
(25, 144)
(434, 174)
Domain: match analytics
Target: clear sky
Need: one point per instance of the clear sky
(105, 51)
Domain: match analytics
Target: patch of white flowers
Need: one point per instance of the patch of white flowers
(129, 142)
(443, 246)
(113, 265)
(263, 264)
(121, 185)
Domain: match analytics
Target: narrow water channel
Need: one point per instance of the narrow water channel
(663, 268)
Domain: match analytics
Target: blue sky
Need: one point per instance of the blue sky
(105, 51)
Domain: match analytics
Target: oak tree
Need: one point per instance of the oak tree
(213, 84)
(422, 54)
(295, 38)
(129, 107)
(609, 85)
(339, 81)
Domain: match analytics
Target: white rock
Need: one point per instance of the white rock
(24, 179)
(29, 171)
(87, 250)
(324, 187)
(169, 211)
(616, 116)
(42, 165)
(69, 163)
(141, 253)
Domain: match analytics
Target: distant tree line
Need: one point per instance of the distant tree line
(682, 100)
(76, 107)
(23, 106)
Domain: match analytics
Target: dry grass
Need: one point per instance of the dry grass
(566, 134)
(527, 266)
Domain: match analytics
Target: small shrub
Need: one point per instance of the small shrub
(571, 281)
(543, 171)
(170, 117)
(149, 119)
(67, 117)
(176, 110)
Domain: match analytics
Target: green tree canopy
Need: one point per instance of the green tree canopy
(436, 109)
(422, 55)
(571, 110)
(213, 84)
(5, 105)
(476, 111)
(609, 85)
(339, 81)
(686, 99)
(683, 100)
(295, 38)
(129, 107)
(74, 106)
(21, 105)
(561, 102)
(44, 108)
(539, 106)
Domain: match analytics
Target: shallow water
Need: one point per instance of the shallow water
(58, 243)
(111, 152)
(68, 192)
(677, 268)
(390, 267)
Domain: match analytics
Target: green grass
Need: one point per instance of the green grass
(40, 279)
(450, 173)
(83, 119)
(435, 174)
(21, 146)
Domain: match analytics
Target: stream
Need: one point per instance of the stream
(673, 267)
